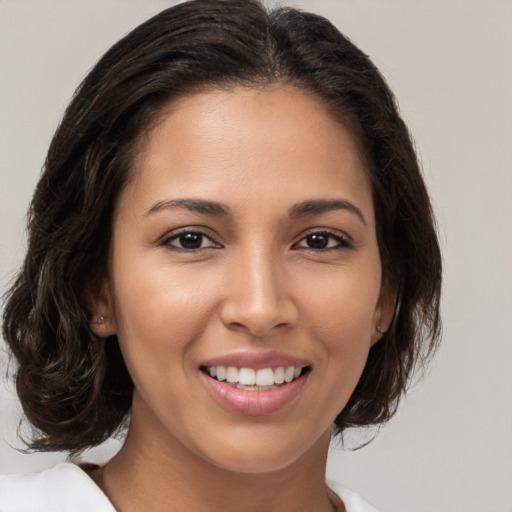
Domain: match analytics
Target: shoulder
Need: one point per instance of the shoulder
(352, 501)
(59, 489)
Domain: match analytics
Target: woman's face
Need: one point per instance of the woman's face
(244, 255)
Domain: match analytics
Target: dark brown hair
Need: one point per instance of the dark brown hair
(74, 387)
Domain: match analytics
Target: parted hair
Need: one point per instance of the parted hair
(74, 386)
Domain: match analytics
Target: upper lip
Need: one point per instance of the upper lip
(257, 361)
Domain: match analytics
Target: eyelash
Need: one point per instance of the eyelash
(341, 242)
(176, 236)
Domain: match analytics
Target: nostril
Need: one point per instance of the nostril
(258, 318)
(258, 330)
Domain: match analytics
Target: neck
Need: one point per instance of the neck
(149, 474)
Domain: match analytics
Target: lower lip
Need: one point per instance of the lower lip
(254, 403)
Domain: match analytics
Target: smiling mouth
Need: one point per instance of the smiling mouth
(255, 380)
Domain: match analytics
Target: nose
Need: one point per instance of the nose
(257, 297)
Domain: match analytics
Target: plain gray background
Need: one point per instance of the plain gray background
(449, 449)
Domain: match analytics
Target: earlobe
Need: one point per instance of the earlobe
(384, 312)
(103, 327)
(377, 334)
(103, 322)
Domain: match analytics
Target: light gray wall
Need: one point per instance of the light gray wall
(450, 447)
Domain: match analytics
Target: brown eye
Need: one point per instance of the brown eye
(189, 240)
(323, 240)
(317, 241)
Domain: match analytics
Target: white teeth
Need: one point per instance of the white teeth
(288, 374)
(221, 372)
(263, 378)
(279, 375)
(247, 377)
(232, 374)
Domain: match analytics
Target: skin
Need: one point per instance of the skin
(255, 284)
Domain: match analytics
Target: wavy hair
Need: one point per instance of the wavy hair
(74, 387)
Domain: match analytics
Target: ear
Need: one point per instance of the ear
(103, 321)
(384, 311)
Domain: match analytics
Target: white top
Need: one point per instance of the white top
(67, 488)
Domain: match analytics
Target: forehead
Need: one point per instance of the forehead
(276, 143)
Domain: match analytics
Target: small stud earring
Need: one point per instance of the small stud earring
(100, 321)
(378, 329)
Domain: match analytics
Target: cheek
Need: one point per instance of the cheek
(159, 310)
(157, 322)
(343, 307)
(341, 316)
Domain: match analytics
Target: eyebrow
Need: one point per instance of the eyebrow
(311, 207)
(317, 206)
(194, 205)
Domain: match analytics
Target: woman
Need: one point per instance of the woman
(231, 254)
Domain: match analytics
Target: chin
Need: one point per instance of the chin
(250, 464)
(265, 453)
